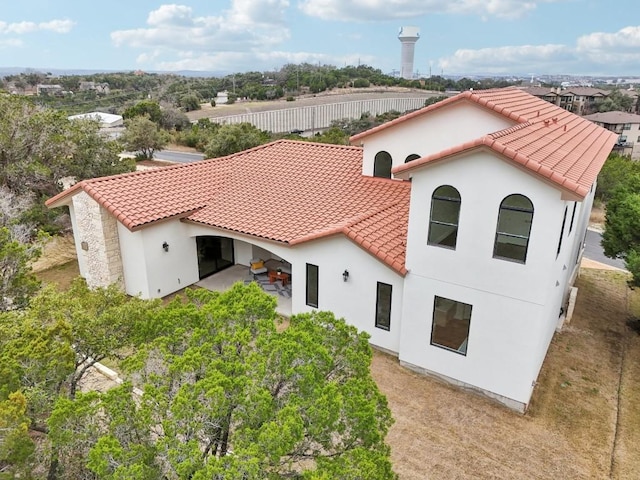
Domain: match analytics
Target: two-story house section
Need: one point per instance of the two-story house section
(626, 126)
(496, 225)
(451, 235)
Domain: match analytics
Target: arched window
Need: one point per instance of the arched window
(382, 165)
(514, 226)
(411, 157)
(445, 211)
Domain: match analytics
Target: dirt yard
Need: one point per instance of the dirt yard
(583, 422)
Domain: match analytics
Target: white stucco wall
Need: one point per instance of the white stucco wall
(242, 252)
(515, 306)
(428, 134)
(150, 271)
(355, 300)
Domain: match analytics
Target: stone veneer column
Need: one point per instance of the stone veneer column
(100, 247)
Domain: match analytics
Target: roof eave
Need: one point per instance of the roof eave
(64, 197)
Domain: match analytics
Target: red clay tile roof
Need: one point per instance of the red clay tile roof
(548, 140)
(286, 191)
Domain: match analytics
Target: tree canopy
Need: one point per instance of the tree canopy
(616, 101)
(619, 187)
(227, 391)
(41, 147)
(143, 136)
(47, 349)
(233, 138)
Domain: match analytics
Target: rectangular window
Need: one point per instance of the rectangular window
(573, 216)
(312, 285)
(626, 126)
(564, 221)
(450, 328)
(383, 306)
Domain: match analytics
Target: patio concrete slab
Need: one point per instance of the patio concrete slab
(223, 280)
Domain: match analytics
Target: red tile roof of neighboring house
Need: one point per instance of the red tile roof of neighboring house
(547, 140)
(287, 191)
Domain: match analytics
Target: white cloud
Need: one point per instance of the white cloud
(509, 59)
(171, 15)
(595, 53)
(248, 24)
(372, 10)
(20, 28)
(627, 38)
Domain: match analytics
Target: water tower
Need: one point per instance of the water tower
(408, 36)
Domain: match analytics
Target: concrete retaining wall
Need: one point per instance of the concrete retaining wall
(318, 117)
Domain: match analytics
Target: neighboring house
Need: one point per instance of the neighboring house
(110, 124)
(102, 88)
(579, 100)
(56, 90)
(222, 98)
(626, 126)
(461, 265)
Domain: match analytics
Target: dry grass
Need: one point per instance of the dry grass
(583, 422)
(60, 275)
(569, 431)
(597, 216)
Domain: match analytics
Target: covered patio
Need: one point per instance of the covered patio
(224, 279)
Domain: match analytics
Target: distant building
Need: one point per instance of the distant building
(110, 124)
(579, 100)
(222, 97)
(102, 88)
(626, 125)
(408, 36)
(49, 90)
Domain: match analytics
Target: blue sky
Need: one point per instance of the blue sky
(578, 37)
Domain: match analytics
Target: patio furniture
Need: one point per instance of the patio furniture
(275, 275)
(257, 267)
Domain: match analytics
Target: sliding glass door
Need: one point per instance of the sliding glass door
(214, 254)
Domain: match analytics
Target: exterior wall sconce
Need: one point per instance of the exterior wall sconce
(165, 246)
(345, 275)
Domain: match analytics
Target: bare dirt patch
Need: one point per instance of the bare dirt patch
(597, 216)
(56, 251)
(60, 275)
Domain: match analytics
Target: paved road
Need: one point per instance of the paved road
(180, 157)
(593, 250)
